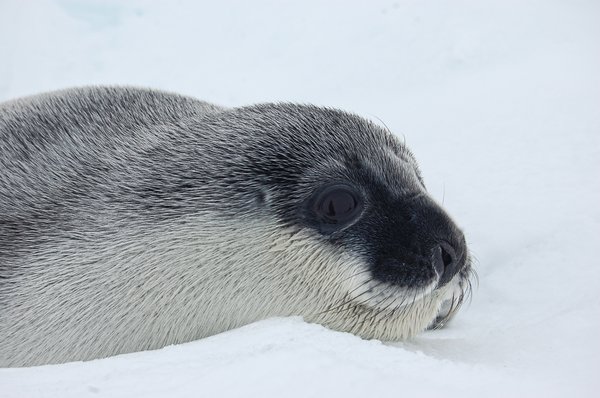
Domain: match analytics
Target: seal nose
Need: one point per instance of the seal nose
(445, 262)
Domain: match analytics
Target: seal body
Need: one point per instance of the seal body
(131, 219)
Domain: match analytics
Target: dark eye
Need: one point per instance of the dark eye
(337, 205)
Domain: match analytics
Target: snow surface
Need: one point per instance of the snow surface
(500, 101)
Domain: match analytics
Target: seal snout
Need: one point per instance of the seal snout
(448, 248)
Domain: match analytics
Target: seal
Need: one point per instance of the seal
(131, 219)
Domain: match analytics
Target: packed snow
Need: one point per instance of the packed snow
(500, 102)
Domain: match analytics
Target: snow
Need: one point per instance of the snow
(499, 100)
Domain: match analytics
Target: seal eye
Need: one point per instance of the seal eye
(337, 206)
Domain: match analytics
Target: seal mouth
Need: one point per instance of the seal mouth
(444, 276)
(443, 300)
(463, 290)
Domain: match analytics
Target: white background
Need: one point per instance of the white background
(499, 100)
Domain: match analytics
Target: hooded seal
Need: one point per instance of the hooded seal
(131, 219)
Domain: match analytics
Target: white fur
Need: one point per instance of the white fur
(176, 284)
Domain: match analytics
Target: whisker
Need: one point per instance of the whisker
(350, 299)
(337, 282)
(443, 193)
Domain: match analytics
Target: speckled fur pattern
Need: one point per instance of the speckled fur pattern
(131, 219)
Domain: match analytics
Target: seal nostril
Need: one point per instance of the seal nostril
(438, 261)
(444, 262)
(446, 257)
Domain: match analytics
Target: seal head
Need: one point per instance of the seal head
(358, 190)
